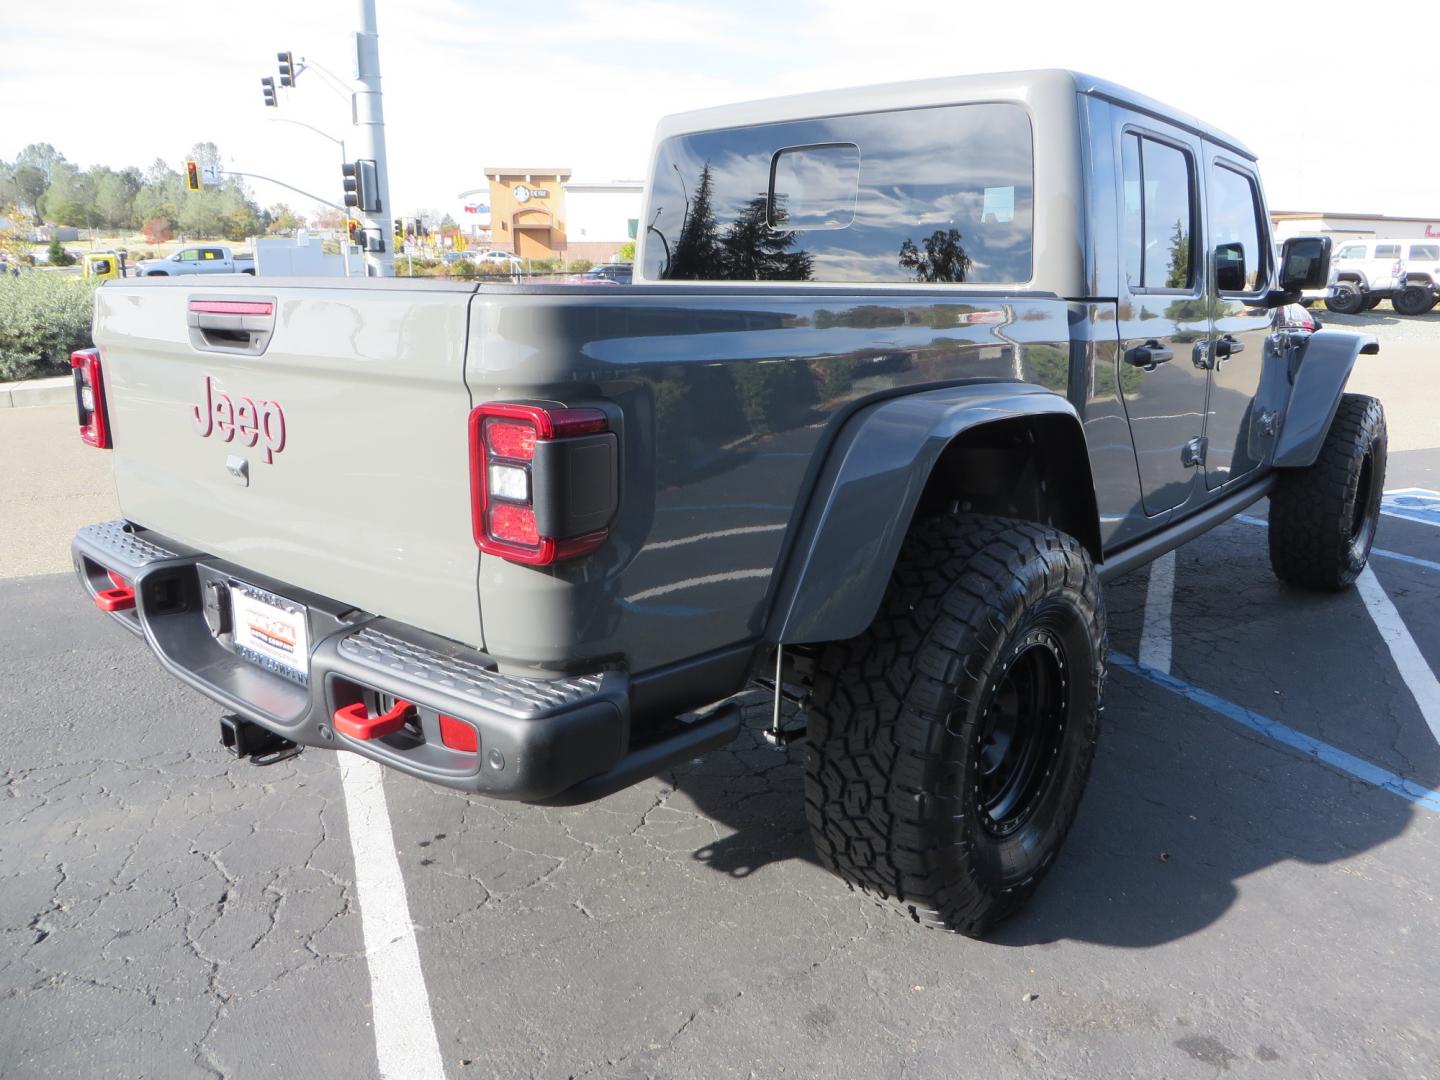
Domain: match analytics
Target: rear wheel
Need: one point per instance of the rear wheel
(1323, 517)
(949, 745)
(1413, 300)
(1346, 298)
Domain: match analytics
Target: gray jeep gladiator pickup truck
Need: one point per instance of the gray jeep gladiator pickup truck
(906, 373)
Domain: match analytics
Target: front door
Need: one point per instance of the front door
(1239, 431)
(1162, 314)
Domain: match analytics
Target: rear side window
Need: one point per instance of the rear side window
(1387, 251)
(1235, 220)
(920, 195)
(1425, 252)
(1158, 236)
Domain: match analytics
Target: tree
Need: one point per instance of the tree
(754, 251)
(58, 255)
(283, 219)
(697, 252)
(944, 258)
(115, 195)
(1177, 275)
(70, 197)
(626, 252)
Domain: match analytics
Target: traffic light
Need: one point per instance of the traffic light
(362, 189)
(192, 176)
(287, 68)
(399, 229)
(353, 228)
(267, 87)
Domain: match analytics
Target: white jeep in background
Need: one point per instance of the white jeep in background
(1405, 272)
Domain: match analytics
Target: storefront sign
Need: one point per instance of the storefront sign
(524, 193)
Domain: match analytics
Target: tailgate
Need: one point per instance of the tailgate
(345, 470)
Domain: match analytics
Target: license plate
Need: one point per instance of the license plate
(270, 631)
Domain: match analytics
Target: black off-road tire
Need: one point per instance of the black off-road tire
(1323, 517)
(1348, 298)
(1413, 300)
(906, 762)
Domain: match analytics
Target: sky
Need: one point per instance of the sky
(1340, 105)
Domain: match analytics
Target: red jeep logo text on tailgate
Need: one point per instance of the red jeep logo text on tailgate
(250, 421)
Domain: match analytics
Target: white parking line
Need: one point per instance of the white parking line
(405, 1043)
(1155, 637)
(1406, 654)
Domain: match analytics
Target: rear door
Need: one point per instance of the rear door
(1238, 253)
(1161, 314)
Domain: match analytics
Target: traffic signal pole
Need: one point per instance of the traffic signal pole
(370, 120)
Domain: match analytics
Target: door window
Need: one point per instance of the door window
(1235, 218)
(1159, 220)
(1351, 251)
(190, 255)
(1387, 251)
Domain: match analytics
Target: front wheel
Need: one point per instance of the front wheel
(949, 745)
(1346, 298)
(1323, 517)
(1413, 300)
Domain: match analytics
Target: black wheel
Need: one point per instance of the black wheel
(1323, 517)
(1413, 300)
(1347, 298)
(1372, 301)
(950, 743)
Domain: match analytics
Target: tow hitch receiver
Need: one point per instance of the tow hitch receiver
(261, 745)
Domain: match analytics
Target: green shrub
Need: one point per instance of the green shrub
(58, 255)
(43, 319)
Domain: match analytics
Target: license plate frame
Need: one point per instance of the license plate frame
(270, 631)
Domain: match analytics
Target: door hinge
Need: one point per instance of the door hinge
(1193, 452)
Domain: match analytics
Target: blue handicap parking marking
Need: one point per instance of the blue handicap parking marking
(1412, 504)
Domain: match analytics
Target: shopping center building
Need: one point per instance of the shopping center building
(540, 213)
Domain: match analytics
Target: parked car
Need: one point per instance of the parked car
(1405, 272)
(607, 273)
(529, 543)
(197, 259)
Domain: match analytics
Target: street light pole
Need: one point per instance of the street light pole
(370, 119)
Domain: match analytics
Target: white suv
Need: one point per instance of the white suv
(1405, 272)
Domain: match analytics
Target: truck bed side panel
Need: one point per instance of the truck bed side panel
(729, 397)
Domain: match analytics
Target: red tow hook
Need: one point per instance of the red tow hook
(120, 598)
(356, 721)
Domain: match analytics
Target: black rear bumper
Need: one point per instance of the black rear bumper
(539, 740)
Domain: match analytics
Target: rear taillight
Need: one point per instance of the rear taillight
(542, 481)
(90, 398)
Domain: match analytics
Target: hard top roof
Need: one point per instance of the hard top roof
(926, 92)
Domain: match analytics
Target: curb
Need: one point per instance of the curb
(31, 392)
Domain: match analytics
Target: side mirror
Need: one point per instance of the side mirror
(1230, 268)
(1304, 263)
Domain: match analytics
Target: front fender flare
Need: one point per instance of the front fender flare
(1324, 368)
(850, 534)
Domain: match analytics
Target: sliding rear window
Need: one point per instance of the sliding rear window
(922, 195)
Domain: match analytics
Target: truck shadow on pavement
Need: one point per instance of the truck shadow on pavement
(1181, 807)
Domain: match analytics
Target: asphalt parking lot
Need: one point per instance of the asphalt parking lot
(1251, 888)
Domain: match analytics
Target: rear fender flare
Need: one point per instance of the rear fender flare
(850, 534)
(1324, 368)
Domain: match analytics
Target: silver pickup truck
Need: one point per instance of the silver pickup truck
(905, 374)
(197, 259)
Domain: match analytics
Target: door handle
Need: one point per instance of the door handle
(1228, 346)
(1149, 356)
